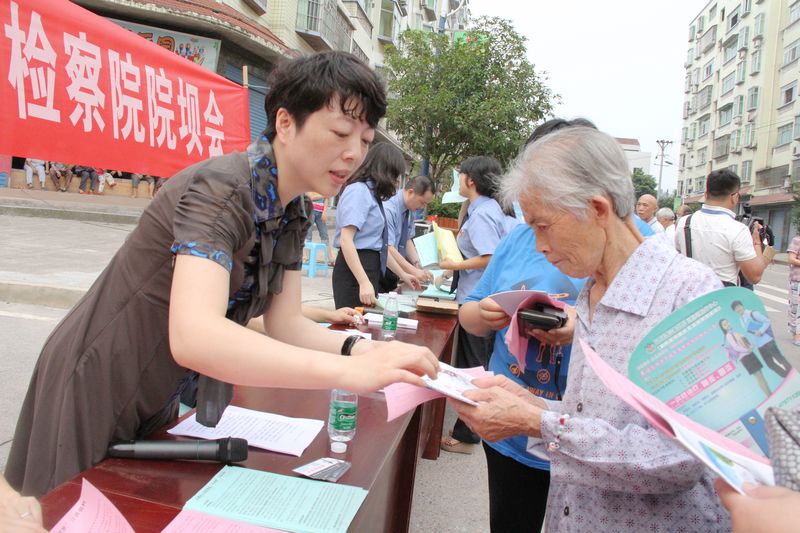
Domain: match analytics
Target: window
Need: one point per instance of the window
(755, 62)
(704, 97)
(758, 26)
(682, 161)
(692, 33)
(690, 57)
(750, 135)
(725, 115)
(741, 69)
(700, 24)
(728, 83)
(700, 184)
(693, 130)
(738, 106)
(788, 93)
(733, 18)
(784, 135)
(734, 168)
(747, 171)
(791, 52)
(712, 12)
(744, 36)
(746, 6)
(721, 146)
(684, 134)
(752, 98)
(796, 133)
(735, 140)
(386, 26)
(702, 156)
(731, 49)
(708, 70)
(794, 12)
(703, 125)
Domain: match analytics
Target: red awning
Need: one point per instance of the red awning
(772, 199)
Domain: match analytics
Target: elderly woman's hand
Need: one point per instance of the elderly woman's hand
(492, 314)
(560, 336)
(504, 409)
(18, 513)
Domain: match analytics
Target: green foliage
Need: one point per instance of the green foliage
(667, 200)
(436, 207)
(643, 183)
(478, 95)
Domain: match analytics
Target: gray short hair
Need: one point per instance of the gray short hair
(570, 166)
(665, 213)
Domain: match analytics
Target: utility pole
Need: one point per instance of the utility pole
(662, 145)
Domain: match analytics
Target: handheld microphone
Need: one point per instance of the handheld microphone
(227, 450)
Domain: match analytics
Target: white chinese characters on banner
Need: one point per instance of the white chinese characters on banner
(35, 67)
(189, 103)
(125, 83)
(83, 69)
(33, 57)
(214, 117)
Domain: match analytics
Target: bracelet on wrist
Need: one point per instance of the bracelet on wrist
(349, 342)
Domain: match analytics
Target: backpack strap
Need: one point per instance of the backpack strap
(687, 235)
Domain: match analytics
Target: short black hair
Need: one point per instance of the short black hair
(421, 185)
(306, 84)
(484, 171)
(722, 183)
(555, 124)
(735, 304)
(384, 164)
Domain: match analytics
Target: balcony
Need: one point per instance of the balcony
(771, 178)
(357, 10)
(323, 25)
(429, 10)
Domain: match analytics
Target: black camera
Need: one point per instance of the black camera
(541, 316)
(747, 218)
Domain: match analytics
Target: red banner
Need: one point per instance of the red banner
(77, 88)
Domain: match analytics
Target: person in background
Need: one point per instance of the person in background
(400, 210)
(58, 171)
(794, 289)
(666, 218)
(646, 208)
(320, 221)
(89, 179)
(610, 469)
(362, 234)
(136, 178)
(106, 177)
(762, 509)
(30, 166)
(518, 479)
(220, 244)
(684, 210)
(482, 228)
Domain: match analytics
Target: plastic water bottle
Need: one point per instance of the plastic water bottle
(342, 419)
(390, 312)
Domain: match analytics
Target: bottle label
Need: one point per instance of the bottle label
(343, 416)
(389, 323)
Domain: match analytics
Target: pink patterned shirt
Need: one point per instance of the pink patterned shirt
(613, 472)
(794, 271)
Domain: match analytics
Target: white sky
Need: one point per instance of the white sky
(618, 63)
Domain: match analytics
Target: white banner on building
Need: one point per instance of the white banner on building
(200, 50)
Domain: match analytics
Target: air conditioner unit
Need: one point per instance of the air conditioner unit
(689, 144)
(787, 183)
(737, 150)
(737, 120)
(695, 87)
(757, 42)
(795, 152)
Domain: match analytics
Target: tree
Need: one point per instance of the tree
(476, 95)
(643, 183)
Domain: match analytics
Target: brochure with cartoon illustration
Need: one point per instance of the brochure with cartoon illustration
(716, 361)
(730, 460)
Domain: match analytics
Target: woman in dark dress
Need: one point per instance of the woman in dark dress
(221, 244)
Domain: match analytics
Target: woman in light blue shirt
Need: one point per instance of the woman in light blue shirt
(483, 227)
(361, 230)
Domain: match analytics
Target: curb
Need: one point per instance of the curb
(45, 295)
(71, 214)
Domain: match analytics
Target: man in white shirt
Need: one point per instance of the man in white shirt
(666, 217)
(717, 238)
(646, 209)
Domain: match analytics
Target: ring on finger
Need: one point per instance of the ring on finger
(26, 514)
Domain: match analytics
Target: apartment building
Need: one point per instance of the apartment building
(741, 87)
(227, 35)
(633, 153)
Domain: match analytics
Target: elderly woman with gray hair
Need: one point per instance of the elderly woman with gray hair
(609, 469)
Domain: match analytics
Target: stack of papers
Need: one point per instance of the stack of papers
(282, 502)
(263, 430)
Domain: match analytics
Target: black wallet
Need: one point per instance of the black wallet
(541, 316)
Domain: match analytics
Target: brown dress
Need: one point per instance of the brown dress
(106, 373)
